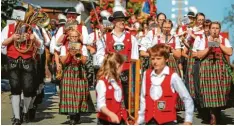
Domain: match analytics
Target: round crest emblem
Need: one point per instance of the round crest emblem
(118, 47)
(161, 105)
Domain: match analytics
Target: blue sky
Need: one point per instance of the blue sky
(213, 9)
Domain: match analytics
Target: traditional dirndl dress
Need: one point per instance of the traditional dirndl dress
(215, 80)
(189, 82)
(172, 63)
(74, 88)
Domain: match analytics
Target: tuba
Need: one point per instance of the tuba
(24, 29)
(23, 44)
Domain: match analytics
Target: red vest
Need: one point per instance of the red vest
(126, 51)
(171, 44)
(133, 32)
(162, 110)
(11, 50)
(112, 104)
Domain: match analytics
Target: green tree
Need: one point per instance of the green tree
(229, 20)
(7, 7)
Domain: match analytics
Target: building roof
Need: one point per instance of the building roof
(56, 3)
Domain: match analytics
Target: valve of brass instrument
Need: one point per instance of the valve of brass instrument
(24, 32)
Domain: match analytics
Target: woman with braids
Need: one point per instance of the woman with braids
(215, 79)
(74, 84)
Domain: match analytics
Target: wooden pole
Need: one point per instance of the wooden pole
(130, 89)
(137, 89)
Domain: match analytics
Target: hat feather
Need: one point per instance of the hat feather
(79, 7)
(193, 9)
(119, 8)
(61, 16)
(105, 13)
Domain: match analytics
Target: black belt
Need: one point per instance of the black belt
(20, 60)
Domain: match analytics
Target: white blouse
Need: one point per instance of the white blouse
(200, 43)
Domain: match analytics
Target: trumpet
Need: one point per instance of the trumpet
(74, 49)
(78, 56)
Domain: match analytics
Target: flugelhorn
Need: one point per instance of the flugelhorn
(75, 49)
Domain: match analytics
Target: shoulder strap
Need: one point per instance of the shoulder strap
(223, 41)
(159, 41)
(11, 29)
(79, 28)
(147, 80)
(153, 31)
(108, 38)
(206, 42)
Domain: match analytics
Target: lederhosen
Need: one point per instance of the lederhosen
(215, 79)
(126, 51)
(21, 68)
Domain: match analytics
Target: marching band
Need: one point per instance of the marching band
(185, 70)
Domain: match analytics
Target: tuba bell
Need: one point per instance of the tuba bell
(44, 20)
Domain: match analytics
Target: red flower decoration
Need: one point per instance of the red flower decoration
(106, 5)
(130, 11)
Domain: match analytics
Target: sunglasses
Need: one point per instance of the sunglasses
(73, 16)
(120, 19)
